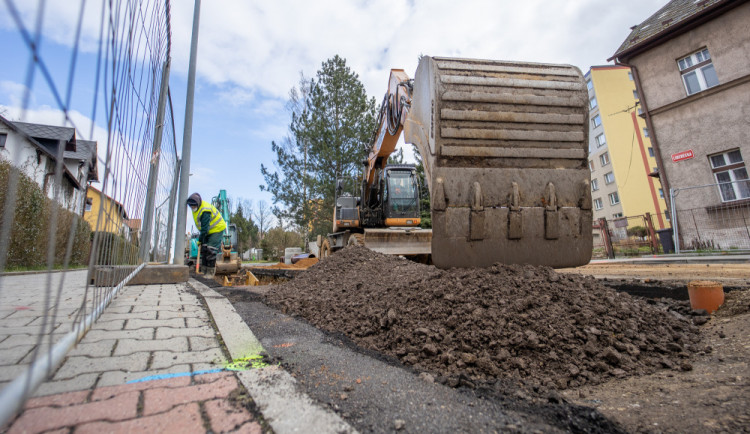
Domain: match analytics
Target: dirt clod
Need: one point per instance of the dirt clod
(468, 327)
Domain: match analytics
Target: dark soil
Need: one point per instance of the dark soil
(508, 322)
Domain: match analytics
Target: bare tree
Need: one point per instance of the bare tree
(263, 217)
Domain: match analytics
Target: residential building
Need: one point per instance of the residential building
(105, 214)
(34, 148)
(620, 153)
(691, 65)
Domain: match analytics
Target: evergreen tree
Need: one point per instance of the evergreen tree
(329, 135)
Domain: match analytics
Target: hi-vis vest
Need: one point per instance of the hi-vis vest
(216, 224)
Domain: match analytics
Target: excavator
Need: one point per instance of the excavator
(505, 151)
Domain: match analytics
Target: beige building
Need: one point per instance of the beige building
(691, 65)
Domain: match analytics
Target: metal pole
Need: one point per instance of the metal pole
(675, 232)
(179, 248)
(172, 199)
(153, 173)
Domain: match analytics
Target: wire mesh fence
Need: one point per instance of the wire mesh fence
(88, 161)
(714, 217)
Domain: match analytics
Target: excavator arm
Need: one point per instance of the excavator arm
(505, 150)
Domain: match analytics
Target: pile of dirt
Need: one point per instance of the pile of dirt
(507, 322)
(301, 264)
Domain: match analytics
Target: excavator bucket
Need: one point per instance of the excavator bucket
(505, 149)
(399, 241)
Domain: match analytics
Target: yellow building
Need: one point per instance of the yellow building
(113, 216)
(620, 153)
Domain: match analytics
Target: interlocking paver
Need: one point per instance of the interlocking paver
(143, 323)
(166, 333)
(185, 307)
(80, 365)
(214, 386)
(184, 419)
(110, 316)
(115, 378)
(165, 359)
(198, 343)
(168, 314)
(59, 400)
(98, 335)
(107, 324)
(120, 407)
(11, 356)
(79, 382)
(129, 346)
(225, 417)
(101, 348)
(169, 383)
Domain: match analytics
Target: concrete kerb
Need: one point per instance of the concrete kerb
(283, 405)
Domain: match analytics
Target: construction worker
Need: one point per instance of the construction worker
(211, 225)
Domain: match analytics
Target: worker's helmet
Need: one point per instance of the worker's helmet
(194, 200)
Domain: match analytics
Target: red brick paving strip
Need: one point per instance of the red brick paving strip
(183, 419)
(170, 405)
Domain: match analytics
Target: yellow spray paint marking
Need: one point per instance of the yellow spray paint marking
(246, 363)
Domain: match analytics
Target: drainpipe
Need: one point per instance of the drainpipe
(652, 135)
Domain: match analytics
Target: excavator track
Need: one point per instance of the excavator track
(505, 149)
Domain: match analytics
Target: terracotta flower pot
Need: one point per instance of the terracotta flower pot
(705, 294)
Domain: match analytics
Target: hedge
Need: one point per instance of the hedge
(29, 235)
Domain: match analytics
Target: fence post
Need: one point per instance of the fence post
(187, 136)
(651, 234)
(170, 219)
(607, 238)
(675, 231)
(153, 173)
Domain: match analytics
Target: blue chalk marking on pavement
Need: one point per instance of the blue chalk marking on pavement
(175, 375)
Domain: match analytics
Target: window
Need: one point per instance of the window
(609, 178)
(596, 121)
(645, 132)
(640, 111)
(600, 140)
(594, 184)
(698, 72)
(635, 94)
(666, 214)
(650, 152)
(614, 198)
(591, 165)
(630, 75)
(589, 84)
(617, 215)
(592, 103)
(89, 201)
(604, 159)
(731, 173)
(661, 193)
(3, 138)
(598, 204)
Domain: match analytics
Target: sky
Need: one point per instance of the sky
(252, 53)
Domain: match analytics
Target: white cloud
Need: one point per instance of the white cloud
(263, 46)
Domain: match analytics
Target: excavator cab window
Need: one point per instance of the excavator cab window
(402, 194)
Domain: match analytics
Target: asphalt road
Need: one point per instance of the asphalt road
(374, 394)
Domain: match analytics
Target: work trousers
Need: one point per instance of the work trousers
(210, 249)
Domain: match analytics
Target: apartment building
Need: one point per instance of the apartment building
(621, 158)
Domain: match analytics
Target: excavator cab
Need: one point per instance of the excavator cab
(401, 196)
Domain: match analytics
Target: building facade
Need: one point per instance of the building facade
(34, 149)
(620, 153)
(691, 62)
(105, 214)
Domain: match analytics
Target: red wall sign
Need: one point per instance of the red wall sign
(685, 155)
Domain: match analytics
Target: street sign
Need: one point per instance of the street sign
(684, 155)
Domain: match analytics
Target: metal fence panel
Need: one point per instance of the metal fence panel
(706, 221)
(110, 134)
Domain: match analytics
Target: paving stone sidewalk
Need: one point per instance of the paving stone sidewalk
(151, 363)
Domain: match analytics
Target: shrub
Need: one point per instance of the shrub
(112, 249)
(32, 216)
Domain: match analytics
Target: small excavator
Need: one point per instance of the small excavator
(505, 152)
